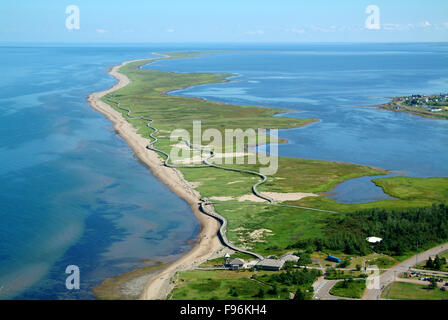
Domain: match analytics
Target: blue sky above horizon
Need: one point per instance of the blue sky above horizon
(133, 21)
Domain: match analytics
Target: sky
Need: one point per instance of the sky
(148, 21)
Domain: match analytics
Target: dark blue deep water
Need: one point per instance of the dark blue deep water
(72, 192)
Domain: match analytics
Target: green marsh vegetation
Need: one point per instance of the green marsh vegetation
(281, 229)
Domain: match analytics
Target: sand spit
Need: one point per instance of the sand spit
(208, 243)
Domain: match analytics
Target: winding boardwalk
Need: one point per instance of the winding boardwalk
(223, 229)
(205, 205)
(204, 201)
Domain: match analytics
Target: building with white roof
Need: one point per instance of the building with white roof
(374, 239)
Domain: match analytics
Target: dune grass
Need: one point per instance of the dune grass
(286, 226)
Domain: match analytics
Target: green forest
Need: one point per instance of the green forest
(402, 232)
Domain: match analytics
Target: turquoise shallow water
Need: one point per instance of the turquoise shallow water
(72, 192)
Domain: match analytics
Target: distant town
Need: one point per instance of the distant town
(435, 106)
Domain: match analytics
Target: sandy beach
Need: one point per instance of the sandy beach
(208, 243)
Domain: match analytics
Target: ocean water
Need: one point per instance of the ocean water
(329, 82)
(72, 192)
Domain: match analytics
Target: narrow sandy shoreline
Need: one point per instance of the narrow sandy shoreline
(208, 243)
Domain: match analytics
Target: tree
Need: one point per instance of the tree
(273, 290)
(433, 284)
(300, 295)
(233, 292)
(400, 230)
(289, 265)
(439, 263)
(345, 263)
(305, 258)
(429, 263)
(260, 294)
(346, 283)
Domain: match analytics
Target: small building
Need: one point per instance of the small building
(290, 257)
(235, 264)
(334, 259)
(270, 264)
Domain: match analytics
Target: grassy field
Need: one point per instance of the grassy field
(349, 289)
(315, 176)
(411, 291)
(222, 285)
(287, 225)
(293, 175)
(433, 189)
(282, 226)
(239, 285)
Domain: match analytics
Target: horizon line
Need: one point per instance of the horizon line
(21, 43)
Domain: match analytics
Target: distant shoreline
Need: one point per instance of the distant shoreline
(395, 104)
(208, 242)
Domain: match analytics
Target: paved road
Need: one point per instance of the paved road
(322, 289)
(389, 276)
